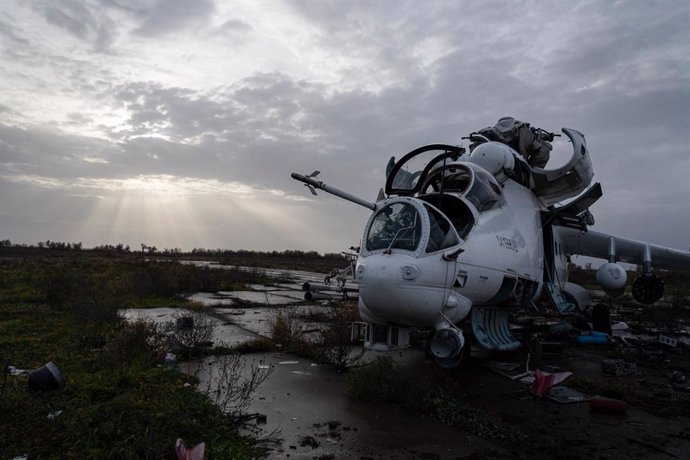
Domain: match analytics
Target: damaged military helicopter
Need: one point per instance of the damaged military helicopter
(461, 238)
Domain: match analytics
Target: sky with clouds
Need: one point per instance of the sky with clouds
(177, 123)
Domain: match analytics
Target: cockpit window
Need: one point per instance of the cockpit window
(396, 226)
(485, 192)
(441, 232)
(406, 176)
(452, 178)
(455, 210)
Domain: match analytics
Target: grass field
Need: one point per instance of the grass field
(118, 401)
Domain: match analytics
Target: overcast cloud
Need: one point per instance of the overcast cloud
(177, 123)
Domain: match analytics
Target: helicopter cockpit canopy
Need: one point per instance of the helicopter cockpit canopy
(409, 225)
(434, 169)
(407, 175)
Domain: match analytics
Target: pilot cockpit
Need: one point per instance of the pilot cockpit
(426, 171)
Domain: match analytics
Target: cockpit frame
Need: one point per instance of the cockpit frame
(449, 152)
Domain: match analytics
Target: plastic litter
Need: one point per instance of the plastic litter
(183, 452)
(170, 360)
(46, 378)
(592, 339)
(15, 371)
(543, 381)
(602, 404)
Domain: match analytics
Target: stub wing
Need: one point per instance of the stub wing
(603, 246)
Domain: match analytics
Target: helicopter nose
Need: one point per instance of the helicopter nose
(395, 288)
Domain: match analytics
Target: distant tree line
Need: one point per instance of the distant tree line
(121, 248)
(276, 254)
(43, 245)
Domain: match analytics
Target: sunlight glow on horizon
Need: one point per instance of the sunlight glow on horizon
(165, 210)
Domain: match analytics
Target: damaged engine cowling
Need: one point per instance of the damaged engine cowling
(648, 288)
(612, 279)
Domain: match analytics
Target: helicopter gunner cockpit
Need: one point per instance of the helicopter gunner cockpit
(396, 226)
(410, 226)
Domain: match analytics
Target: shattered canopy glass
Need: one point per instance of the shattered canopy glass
(396, 226)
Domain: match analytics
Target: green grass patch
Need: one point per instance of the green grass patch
(118, 401)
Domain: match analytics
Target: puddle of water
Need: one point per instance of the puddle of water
(301, 400)
(156, 315)
(254, 319)
(223, 334)
(262, 287)
(209, 299)
(266, 296)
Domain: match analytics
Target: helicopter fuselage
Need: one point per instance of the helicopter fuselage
(426, 284)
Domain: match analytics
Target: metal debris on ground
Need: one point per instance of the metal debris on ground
(309, 441)
(54, 414)
(620, 326)
(566, 395)
(668, 341)
(618, 367)
(563, 327)
(548, 347)
(511, 370)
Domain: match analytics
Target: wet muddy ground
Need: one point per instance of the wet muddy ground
(307, 411)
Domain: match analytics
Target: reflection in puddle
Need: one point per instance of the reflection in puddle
(224, 333)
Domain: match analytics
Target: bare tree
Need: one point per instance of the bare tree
(231, 384)
(189, 331)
